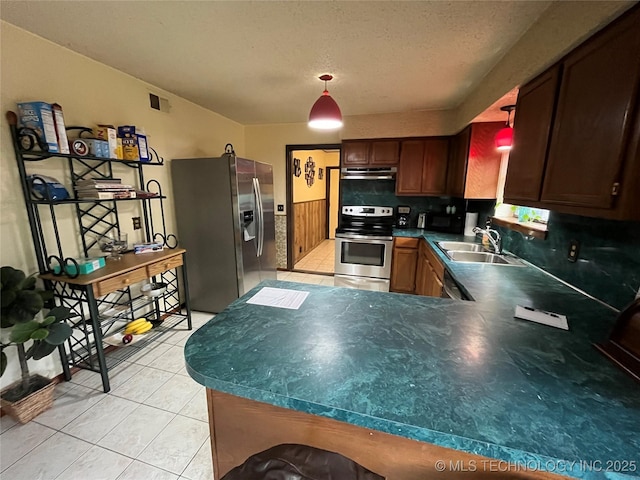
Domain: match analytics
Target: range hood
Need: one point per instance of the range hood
(368, 173)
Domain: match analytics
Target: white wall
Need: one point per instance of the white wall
(35, 69)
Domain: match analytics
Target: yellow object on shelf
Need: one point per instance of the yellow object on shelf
(138, 326)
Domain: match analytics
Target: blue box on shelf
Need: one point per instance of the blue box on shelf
(85, 266)
(39, 117)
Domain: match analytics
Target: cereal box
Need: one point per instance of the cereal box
(61, 131)
(129, 142)
(108, 133)
(39, 117)
(142, 147)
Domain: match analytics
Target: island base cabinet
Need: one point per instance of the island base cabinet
(242, 427)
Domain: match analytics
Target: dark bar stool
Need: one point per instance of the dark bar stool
(299, 462)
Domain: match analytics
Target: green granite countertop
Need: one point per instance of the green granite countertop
(462, 375)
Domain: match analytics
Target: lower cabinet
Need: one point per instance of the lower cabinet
(403, 265)
(430, 272)
(415, 268)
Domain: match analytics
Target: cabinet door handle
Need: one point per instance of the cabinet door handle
(166, 266)
(126, 281)
(615, 189)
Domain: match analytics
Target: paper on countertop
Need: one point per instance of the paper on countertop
(279, 297)
(540, 316)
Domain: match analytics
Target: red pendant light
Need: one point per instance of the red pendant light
(504, 138)
(325, 113)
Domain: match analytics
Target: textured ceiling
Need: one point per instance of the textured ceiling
(258, 62)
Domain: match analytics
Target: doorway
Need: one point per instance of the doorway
(312, 206)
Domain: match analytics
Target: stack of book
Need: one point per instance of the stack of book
(103, 189)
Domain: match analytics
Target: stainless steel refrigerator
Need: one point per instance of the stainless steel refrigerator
(225, 218)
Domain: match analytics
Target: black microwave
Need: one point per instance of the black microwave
(445, 222)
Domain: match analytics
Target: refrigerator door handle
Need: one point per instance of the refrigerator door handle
(258, 200)
(261, 223)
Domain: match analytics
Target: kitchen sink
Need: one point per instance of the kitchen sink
(476, 253)
(476, 257)
(461, 246)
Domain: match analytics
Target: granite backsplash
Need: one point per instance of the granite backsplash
(608, 265)
(383, 193)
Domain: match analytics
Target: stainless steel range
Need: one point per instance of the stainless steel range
(364, 246)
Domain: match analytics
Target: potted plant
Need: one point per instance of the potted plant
(21, 301)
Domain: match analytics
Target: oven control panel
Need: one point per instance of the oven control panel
(360, 211)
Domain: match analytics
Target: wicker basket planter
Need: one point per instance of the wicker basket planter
(29, 407)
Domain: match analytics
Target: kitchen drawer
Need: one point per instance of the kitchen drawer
(164, 265)
(121, 281)
(406, 242)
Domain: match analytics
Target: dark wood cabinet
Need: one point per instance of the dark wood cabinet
(483, 162)
(415, 268)
(593, 119)
(434, 168)
(474, 162)
(423, 167)
(376, 153)
(623, 346)
(409, 179)
(423, 276)
(355, 153)
(430, 272)
(532, 126)
(458, 155)
(577, 130)
(384, 153)
(403, 265)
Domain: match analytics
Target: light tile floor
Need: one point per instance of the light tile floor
(320, 259)
(306, 278)
(152, 425)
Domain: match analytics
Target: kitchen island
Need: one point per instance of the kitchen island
(399, 382)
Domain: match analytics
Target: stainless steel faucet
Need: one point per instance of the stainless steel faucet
(496, 242)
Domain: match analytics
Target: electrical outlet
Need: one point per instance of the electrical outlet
(136, 223)
(281, 208)
(574, 249)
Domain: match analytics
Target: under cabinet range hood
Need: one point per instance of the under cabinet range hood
(368, 173)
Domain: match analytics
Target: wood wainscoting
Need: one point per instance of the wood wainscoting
(310, 227)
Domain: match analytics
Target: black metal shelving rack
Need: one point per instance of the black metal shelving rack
(94, 317)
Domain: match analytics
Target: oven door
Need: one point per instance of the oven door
(363, 255)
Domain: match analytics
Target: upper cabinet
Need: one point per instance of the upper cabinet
(474, 162)
(372, 153)
(423, 167)
(527, 158)
(577, 130)
(458, 154)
